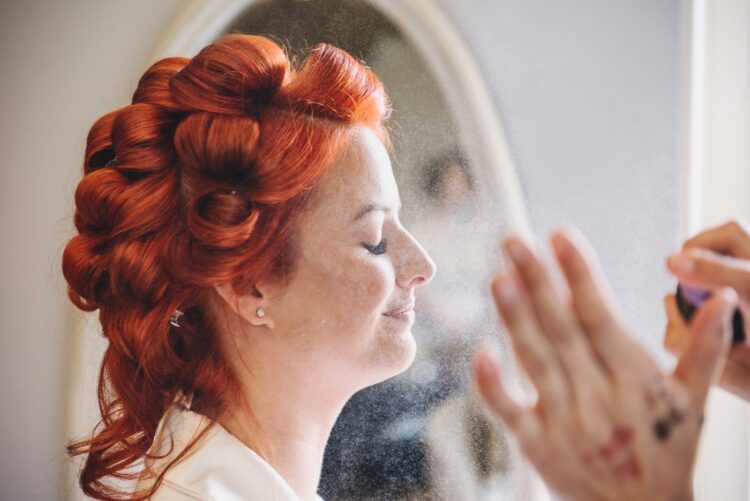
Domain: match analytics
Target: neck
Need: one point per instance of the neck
(290, 420)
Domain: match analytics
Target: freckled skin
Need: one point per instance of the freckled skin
(333, 305)
(324, 334)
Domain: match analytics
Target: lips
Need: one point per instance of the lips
(401, 310)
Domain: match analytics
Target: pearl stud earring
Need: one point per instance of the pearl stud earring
(260, 312)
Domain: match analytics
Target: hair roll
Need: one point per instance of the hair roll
(199, 181)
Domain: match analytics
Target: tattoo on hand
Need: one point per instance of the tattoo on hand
(623, 462)
(660, 401)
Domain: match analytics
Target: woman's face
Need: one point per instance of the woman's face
(348, 306)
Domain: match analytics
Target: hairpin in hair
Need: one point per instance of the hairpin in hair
(175, 317)
(185, 401)
(112, 162)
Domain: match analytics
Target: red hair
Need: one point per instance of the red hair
(199, 181)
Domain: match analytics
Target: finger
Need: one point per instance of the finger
(708, 269)
(675, 335)
(520, 421)
(531, 347)
(594, 301)
(710, 335)
(732, 238)
(554, 316)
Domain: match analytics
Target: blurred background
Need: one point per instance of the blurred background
(628, 119)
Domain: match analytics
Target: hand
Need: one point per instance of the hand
(715, 258)
(608, 424)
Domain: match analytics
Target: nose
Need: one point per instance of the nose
(417, 267)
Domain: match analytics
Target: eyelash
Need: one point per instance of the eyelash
(378, 249)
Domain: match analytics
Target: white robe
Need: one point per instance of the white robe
(217, 468)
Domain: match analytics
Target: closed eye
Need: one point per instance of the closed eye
(377, 249)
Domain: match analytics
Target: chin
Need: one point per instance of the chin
(409, 352)
(393, 354)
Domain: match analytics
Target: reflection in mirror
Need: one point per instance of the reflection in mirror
(423, 434)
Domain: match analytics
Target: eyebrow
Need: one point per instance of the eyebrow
(369, 208)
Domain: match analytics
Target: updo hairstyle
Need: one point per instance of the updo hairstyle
(199, 181)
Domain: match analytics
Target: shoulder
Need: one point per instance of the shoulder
(217, 467)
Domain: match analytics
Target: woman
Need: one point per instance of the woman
(608, 423)
(239, 235)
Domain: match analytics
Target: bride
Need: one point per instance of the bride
(239, 235)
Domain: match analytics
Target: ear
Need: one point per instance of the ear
(248, 305)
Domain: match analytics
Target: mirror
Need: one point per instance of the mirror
(423, 434)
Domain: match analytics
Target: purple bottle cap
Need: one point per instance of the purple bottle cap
(695, 295)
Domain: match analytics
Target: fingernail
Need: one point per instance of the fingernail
(505, 290)
(681, 263)
(518, 251)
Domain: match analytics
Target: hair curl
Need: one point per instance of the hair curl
(199, 181)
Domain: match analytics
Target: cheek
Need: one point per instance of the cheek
(364, 287)
(338, 296)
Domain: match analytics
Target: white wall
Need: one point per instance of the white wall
(591, 95)
(63, 65)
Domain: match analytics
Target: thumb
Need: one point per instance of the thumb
(709, 340)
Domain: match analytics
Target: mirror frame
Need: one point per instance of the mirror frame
(447, 56)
